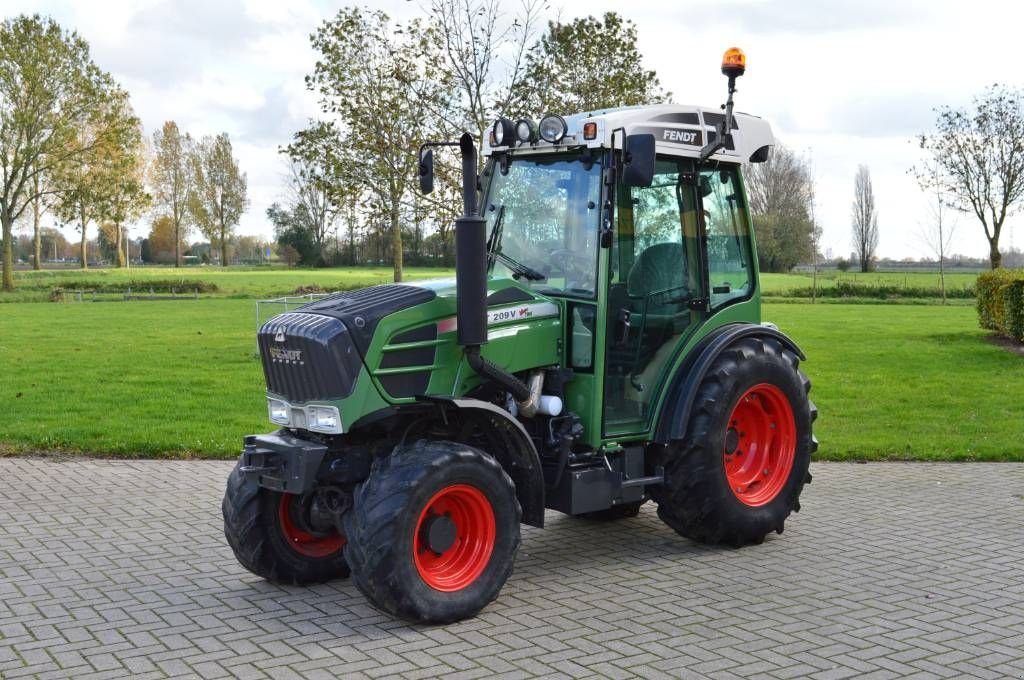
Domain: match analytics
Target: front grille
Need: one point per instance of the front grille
(308, 356)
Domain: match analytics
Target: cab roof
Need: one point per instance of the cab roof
(678, 129)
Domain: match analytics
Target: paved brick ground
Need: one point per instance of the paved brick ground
(120, 568)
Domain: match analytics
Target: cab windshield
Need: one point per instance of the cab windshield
(543, 216)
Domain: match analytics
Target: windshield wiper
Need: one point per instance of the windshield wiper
(519, 270)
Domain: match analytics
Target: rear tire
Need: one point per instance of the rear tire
(739, 471)
(433, 532)
(266, 535)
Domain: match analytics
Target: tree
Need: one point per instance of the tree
(979, 155)
(49, 90)
(163, 246)
(106, 242)
(52, 243)
(938, 233)
(125, 197)
(865, 219)
(586, 65)
(40, 205)
(172, 179)
(318, 185)
(472, 36)
(288, 253)
(220, 194)
(100, 184)
(780, 192)
(291, 227)
(373, 81)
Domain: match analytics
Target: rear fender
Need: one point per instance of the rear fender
(678, 400)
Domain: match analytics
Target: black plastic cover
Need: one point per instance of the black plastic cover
(361, 310)
(308, 356)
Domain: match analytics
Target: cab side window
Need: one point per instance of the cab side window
(730, 270)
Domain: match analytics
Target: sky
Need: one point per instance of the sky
(844, 83)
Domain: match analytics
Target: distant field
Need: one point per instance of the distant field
(887, 285)
(180, 379)
(244, 282)
(252, 282)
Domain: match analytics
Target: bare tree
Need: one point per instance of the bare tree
(865, 219)
(937, 234)
(980, 158)
(311, 196)
(474, 35)
(781, 195)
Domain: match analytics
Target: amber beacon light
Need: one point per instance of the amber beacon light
(734, 62)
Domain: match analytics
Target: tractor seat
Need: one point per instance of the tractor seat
(658, 268)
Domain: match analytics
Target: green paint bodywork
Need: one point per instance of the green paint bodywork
(524, 344)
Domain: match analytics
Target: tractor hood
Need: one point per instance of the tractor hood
(403, 337)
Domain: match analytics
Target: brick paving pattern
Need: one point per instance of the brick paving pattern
(119, 568)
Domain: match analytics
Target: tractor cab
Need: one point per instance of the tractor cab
(615, 214)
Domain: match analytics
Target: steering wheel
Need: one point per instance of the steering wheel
(565, 261)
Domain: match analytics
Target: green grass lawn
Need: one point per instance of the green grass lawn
(180, 378)
(899, 382)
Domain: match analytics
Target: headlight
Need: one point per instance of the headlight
(553, 129)
(323, 419)
(526, 131)
(503, 132)
(279, 411)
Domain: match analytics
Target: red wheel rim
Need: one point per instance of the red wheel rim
(465, 559)
(300, 540)
(760, 444)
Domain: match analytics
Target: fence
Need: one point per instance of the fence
(281, 305)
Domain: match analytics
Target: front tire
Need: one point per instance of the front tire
(433, 532)
(739, 471)
(268, 534)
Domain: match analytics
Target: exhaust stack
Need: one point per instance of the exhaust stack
(471, 279)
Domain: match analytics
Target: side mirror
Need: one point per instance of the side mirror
(638, 160)
(427, 171)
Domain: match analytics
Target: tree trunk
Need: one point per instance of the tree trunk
(396, 239)
(994, 256)
(37, 237)
(177, 244)
(223, 248)
(85, 253)
(119, 248)
(942, 275)
(8, 257)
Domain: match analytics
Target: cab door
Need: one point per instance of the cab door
(656, 294)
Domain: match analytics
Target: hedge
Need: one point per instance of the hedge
(1001, 302)
(878, 291)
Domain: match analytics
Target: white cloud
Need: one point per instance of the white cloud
(848, 82)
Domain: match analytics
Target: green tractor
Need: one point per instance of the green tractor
(601, 346)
